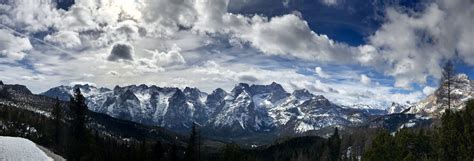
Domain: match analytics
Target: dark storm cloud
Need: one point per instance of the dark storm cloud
(121, 51)
(248, 78)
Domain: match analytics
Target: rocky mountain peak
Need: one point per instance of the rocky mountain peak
(128, 95)
(117, 88)
(19, 89)
(396, 108)
(217, 94)
(85, 88)
(239, 88)
(271, 88)
(178, 95)
(218, 91)
(436, 103)
(143, 86)
(302, 94)
(317, 101)
(192, 92)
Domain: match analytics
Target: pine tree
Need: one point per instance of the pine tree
(192, 149)
(334, 143)
(80, 108)
(78, 143)
(57, 116)
(447, 82)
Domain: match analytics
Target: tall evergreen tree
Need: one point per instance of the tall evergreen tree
(57, 116)
(334, 145)
(79, 108)
(79, 143)
(447, 82)
(192, 150)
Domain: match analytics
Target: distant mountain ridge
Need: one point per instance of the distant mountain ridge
(244, 110)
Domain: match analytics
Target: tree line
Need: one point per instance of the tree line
(452, 140)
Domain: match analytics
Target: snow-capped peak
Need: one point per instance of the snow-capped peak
(397, 108)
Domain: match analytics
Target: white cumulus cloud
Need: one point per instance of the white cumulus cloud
(364, 79)
(65, 39)
(319, 71)
(428, 90)
(13, 47)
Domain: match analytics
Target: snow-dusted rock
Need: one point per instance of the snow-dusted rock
(435, 104)
(397, 108)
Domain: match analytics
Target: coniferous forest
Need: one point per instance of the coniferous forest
(451, 140)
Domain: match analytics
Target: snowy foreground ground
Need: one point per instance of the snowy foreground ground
(15, 148)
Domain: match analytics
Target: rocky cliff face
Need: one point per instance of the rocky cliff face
(435, 104)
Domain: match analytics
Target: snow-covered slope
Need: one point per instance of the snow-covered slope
(435, 104)
(318, 112)
(15, 148)
(397, 108)
(246, 109)
(369, 109)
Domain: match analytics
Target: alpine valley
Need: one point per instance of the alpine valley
(251, 110)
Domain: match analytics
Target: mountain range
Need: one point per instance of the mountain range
(246, 109)
(20, 100)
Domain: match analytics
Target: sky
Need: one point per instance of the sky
(353, 52)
